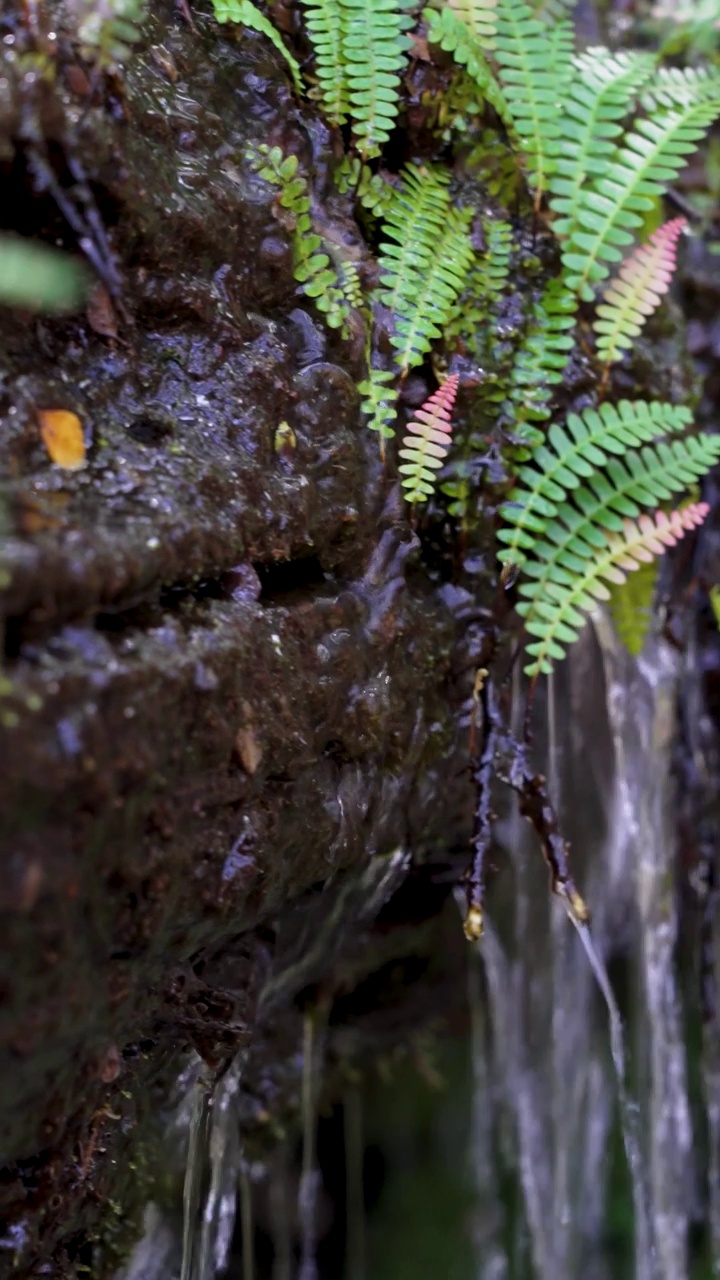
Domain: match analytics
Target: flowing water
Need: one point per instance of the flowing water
(585, 1106)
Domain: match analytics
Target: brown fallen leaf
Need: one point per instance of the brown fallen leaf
(62, 435)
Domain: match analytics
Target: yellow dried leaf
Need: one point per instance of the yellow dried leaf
(62, 436)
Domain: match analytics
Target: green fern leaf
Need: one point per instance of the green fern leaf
(574, 455)
(375, 51)
(248, 15)
(535, 65)
(427, 442)
(379, 402)
(636, 291)
(449, 30)
(413, 222)
(552, 10)
(326, 26)
(555, 613)
(370, 190)
(434, 293)
(598, 99)
(678, 86)
(479, 16)
(541, 359)
(612, 207)
(313, 268)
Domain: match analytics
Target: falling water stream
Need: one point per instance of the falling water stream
(564, 1056)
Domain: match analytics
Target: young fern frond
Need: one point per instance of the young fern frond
(427, 442)
(375, 50)
(556, 607)
(370, 190)
(313, 269)
(598, 98)
(610, 208)
(574, 454)
(325, 24)
(635, 292)
(379, 402)
(248, 15)
(535, 65)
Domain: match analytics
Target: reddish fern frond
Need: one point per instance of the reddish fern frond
(425, 448)
(636, 291)
(649, 536)
(558, 601)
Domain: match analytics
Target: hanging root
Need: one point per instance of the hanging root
(503, 756)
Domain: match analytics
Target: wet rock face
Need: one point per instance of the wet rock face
(218, 689)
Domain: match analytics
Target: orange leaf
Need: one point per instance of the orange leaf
(62, 435)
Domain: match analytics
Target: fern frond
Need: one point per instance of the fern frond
(423, 261)
(375, 51)
(630, 604)
(552, 10)
(610, 208)
(379, 401)
(413, 222)
(636, 291)
(248, 15)
(325, 25)
(313, 269)
(556, 614)
(369, 189)
(449, 31)
(485, 284)
(574, 454)
(597, 100)
(429, 298)
(677, 86)
(107, 29)
(479, 16)
(535, 65)
(427, 443)
(543, 355)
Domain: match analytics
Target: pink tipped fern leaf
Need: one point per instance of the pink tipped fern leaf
(428, 440)
(558, 602)
(636, 291)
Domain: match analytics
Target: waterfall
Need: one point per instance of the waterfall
(555, 1060)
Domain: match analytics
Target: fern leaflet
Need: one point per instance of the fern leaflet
(535, 64)
(610, 208)
(677, 86)
(375, 51)
(379, 402)
(598, 99)
(448, 30)
(325, 22)
(557, 613)
(427, 443)
(636, 291)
